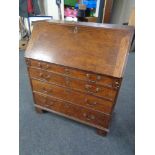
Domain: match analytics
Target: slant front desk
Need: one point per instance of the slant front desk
(76, 69)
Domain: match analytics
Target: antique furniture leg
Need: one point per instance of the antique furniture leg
(38, 110)
(101, 132)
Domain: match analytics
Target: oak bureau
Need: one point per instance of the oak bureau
(76, 69)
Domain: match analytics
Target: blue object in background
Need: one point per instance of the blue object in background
(88, 3)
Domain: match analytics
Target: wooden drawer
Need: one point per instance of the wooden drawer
(46, 66)
(73, 83)
(76, 73)
(48, 76)
(92, 88)
(72, 110)
(85, 100)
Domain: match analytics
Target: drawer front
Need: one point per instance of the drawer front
(95, 89)
(72, 110)
(87, 87)
(82, 99)
(47, 76)
(76, 73)
(46, 66)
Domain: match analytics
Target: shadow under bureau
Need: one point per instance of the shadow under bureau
(76, 69)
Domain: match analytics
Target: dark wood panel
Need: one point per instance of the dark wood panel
(72, 96)
(46, 76)
(97, 49)
(73, 83)
(75, 73)
(92, 88)
(73, 110)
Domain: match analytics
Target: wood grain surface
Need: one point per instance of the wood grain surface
(97, 48)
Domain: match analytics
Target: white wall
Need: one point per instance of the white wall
(97, 8)
(51, 9)
(121, 11)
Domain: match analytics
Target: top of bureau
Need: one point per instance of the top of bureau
(94, 47)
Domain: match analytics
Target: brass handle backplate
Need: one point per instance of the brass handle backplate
(89, 117)
(46, 66)
(89, 87)
(46, 77)
(98, 77)
(90, 103)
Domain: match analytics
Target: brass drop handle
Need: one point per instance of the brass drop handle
(116, 82)
(87, 87)
(88, 75)
(97, 90)
(46, 66)
(93, 81)
(42, 76)
(89, 118)
(90, 103)
(86, 116)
